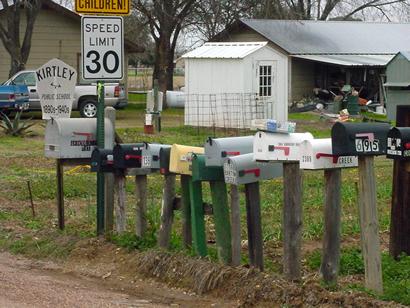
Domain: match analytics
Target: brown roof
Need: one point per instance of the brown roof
(130, 46)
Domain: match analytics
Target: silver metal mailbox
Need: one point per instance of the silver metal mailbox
(74, 138)
(243, 169)
(277, 146)
(150, 155)
(218, 149)
(317, 154)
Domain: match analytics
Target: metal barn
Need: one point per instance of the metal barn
(397, 83)
(229, 84)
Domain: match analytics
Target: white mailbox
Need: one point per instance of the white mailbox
(277, 146)
(243, 169)
(317, 154)
(74, 138)
(150, 155)
(218, 149)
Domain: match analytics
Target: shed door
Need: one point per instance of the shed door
(266, 83)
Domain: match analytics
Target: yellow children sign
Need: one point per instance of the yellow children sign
(107, 7)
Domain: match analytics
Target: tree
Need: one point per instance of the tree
(10, 30)
(166, 19)
(212, 16)
(324, 9)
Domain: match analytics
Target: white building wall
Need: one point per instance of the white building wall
(222, 92)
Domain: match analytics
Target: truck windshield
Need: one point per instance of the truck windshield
(28, 79)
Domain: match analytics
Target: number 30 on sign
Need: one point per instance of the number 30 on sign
(102, 41)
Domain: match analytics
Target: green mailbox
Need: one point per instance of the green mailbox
(215, 176)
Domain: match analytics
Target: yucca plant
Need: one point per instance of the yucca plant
(17, 127)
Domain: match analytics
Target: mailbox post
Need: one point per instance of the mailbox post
(317, 154)
(215, 177)
(286, 148)
(71, 142)
(217, 150)
(181, 163)
(243, 170)
(128, 158)
(365, 140)
(398, 148)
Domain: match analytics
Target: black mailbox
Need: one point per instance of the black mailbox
(398, 143)
(102, 160)
(164, 157)
(359, 139)
(128, 156)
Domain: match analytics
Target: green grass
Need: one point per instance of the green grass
(396, 274)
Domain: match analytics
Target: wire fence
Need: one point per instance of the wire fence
(225, 110)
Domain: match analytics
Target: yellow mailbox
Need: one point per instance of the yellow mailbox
(180, 160)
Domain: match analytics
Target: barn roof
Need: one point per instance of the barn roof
(231, 50)
(333, 37)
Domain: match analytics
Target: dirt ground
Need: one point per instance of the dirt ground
(27, 283)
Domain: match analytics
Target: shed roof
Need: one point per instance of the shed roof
(333, 37)
(349, 60)
(231, 50)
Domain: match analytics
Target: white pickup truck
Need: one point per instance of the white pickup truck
(85, 95)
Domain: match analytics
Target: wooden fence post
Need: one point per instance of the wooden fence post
(331, 239)
(235, 225)
(292, 220)
(141, 211)
(186, 211)
(60, 193)
(253, 214)
(197, 218)
(167, 211)
(120, 216)
(369, 225)
(222, 221)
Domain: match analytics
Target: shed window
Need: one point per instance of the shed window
(265, 80)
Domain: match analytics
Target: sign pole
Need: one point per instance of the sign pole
(100, 145)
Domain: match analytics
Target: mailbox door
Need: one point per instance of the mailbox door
(218, 149)
(243, 169)
(102, 161)
(361, 139)
(317, 154)
(151, 155)
(201, 172)
(164, 156)
(398, 143)
(180, 159)
(277, 146)
(128, 155)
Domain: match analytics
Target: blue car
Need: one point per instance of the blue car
(13, 98)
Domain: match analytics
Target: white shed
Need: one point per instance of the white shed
(229, 84)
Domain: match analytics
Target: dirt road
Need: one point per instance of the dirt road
(27, 283)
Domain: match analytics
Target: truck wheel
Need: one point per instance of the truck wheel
(88, 109)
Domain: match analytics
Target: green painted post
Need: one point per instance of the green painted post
(100, 144)
(197, 218)
(222, 222)
(186, 211)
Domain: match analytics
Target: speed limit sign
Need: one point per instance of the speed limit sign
(102, 40)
